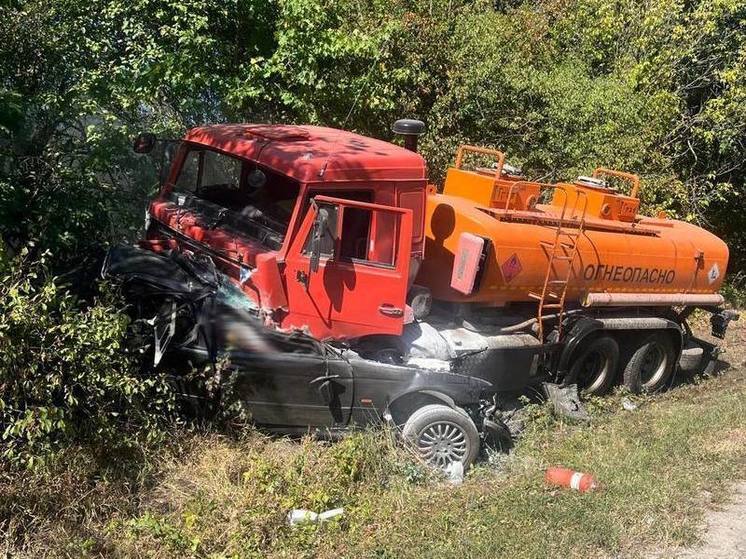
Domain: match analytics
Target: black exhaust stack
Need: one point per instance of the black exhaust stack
(411, 130)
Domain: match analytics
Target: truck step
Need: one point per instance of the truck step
(552, 244)
(538, 296)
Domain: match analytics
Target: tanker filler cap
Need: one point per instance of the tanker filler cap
(593, 182)
(511, 170)
(411, 129)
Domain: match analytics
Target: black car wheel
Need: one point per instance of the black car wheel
(442, 435)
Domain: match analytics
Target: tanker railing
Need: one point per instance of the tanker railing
(631, 178)
(464, 149)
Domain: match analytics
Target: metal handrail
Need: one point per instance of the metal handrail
(629, 177)
(465, 148)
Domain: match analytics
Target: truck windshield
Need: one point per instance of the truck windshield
(262, 213)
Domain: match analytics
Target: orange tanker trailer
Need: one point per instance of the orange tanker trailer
(575, 264)
(588, 241)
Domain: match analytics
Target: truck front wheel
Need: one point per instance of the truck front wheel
(651, 364)
(441, 435)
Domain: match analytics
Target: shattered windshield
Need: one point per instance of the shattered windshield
(230, 295)
(260, 209)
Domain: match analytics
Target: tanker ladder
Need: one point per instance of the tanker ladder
(562, 248)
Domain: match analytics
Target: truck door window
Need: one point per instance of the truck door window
(189, 175)
(327, 238)
(355, 233)
(366, 236)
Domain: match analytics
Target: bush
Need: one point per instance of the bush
(65, 373)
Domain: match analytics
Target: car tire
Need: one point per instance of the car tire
(651, 365)
(595, 368)
(441, 435)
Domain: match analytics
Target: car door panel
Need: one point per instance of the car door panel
(293, 390)
(283, 379)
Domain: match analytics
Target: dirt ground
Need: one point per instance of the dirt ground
(725, 536)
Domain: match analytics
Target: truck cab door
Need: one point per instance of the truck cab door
(347, 269)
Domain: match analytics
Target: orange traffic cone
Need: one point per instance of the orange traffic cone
(566, 477)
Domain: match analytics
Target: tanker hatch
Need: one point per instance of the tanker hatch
(596, 197)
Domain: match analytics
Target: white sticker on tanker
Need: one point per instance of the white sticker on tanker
(713, 274)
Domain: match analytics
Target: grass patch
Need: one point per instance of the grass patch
(209, 496)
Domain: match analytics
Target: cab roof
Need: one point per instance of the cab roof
(312, 153)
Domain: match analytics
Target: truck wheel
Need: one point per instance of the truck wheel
(595, 368)
(442, 435)
(651, 364)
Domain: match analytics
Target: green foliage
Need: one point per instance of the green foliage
(656, 88)
(231, 499)
(65, 375)
(734, 290)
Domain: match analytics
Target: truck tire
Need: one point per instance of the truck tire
(651, 364)
(441, 435)
(595, 369)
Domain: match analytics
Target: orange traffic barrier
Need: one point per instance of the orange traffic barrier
(565, 477)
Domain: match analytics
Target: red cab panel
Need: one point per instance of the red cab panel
(359, 286)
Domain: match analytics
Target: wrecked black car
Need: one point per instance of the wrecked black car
(290, 382)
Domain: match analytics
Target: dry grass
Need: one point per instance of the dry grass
(210, 496)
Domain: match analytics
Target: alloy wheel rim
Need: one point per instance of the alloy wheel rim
(442, 443)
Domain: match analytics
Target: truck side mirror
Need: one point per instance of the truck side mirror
(144, 143)
(321, 231)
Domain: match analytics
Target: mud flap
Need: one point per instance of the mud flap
(566, 401)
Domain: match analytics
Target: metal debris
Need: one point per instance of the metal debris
(566, 401)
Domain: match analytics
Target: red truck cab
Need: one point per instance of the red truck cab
(323, 229)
